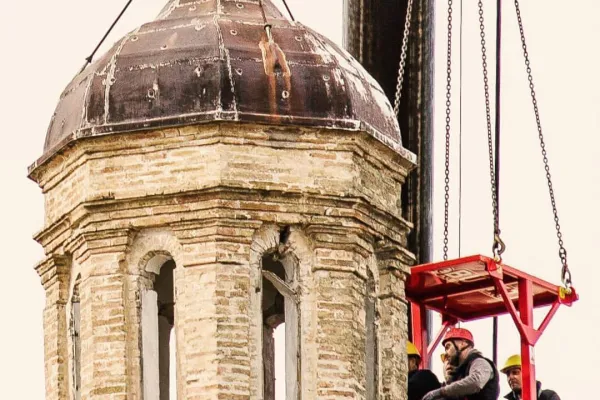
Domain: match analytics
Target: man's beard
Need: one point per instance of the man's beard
(454, 360)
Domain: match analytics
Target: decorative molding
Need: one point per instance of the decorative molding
(54, 269)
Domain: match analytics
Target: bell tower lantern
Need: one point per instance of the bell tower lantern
(220, 174)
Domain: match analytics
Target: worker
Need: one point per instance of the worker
(449, 370)
(512, 369)
(475, 377)
(420, 381)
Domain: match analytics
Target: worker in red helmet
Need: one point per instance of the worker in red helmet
(420, 381)
(475, 377)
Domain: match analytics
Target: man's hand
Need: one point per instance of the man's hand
(433, 395)
(449, 372)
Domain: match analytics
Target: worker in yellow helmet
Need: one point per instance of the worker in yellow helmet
(512, 369)
(420, 381)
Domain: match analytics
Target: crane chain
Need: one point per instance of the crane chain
(448, 120)
(402, 66)
(566, 277)
(498, 246)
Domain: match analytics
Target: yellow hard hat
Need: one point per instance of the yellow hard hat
(512, 362)
(411, 349)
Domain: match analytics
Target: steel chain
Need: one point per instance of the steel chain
(403, 57)
(448, 109)
(498, 246)
(562, 252)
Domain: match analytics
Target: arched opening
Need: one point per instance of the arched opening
(280, 312)
(75, 330)
(158, 341)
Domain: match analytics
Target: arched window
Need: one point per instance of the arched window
(158, 320)
(280, 311)
(75, 330)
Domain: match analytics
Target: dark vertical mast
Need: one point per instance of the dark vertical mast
(497, 142)
(373, 34)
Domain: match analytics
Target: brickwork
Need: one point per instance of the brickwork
(215, 199)
(54, 272)
(103, 336)
(393, 331)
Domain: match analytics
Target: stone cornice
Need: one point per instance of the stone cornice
(87, 243)
(53, 231)
(393, 263)
(359, 142)
(242, 207)
(53, 269)
(395, 256)
(314, 205)
(336, 236)
(218, 228)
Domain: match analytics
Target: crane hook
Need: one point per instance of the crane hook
(498, 247)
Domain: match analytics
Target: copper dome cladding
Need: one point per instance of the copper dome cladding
(211, 60)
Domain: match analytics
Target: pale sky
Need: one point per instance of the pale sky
(45, 43)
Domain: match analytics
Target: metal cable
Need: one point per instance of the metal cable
(288, 10)
(267, 25)
(89, 59)
(562, 252)
(262, 11)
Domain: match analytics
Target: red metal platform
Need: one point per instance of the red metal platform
(466, 289)
(476, 287)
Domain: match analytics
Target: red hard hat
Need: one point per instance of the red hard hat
(458, 333)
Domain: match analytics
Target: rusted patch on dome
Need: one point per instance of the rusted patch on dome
(279, 76)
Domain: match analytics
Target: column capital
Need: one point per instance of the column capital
(54, 268)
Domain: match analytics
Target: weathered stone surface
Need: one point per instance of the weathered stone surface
(215, 200)
(54, 272)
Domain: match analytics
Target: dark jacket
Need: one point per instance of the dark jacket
(491, 390)
(421, 382)
(545, 394)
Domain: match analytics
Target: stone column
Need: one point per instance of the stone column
(339, 289)
(393, 329)
(54, 273)
(104, 366)
(213, 311)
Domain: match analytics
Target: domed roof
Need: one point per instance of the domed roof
(212, 60)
